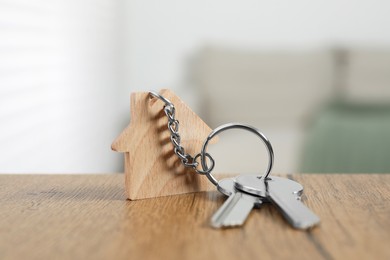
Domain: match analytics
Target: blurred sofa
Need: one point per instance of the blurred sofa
(285, 94)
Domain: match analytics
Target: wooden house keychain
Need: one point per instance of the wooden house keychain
(157, 155)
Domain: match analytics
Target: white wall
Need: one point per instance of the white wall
(165, 33)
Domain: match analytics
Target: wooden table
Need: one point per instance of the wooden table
(88, 217)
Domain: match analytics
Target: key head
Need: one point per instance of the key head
(255, 185)
(226, 186)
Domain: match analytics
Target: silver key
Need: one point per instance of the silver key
(285, 194)
(236, 208)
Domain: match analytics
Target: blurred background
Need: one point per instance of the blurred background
(314, 76)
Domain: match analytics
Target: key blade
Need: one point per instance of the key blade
(233, 212)
(295, 212)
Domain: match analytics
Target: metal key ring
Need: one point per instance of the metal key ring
(165, 100)
(228, 126)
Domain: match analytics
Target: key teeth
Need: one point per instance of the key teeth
(226, 225)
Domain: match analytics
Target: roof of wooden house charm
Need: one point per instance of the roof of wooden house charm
(152, 169)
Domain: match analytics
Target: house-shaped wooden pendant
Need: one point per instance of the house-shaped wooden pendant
(152, 169)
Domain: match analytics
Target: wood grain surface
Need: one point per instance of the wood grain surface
(152, 169)
(88, 217)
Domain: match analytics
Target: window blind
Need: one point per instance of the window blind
(59, 85)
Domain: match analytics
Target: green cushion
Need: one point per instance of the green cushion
(346, 138)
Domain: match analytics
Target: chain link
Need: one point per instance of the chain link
(173, 127)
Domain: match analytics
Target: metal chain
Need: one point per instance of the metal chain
(173, 126)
